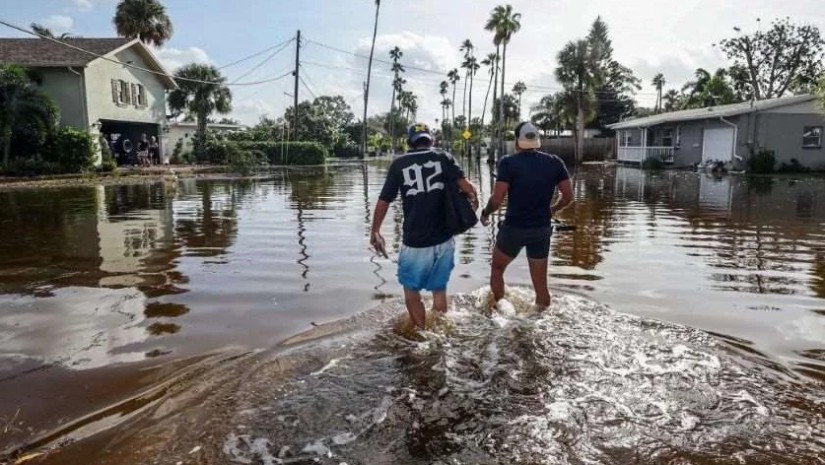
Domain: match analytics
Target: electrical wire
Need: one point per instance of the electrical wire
(257, 54)
(301, 78)
(263, 62)
(129, 65)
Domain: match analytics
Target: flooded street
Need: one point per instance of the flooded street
(688, 327)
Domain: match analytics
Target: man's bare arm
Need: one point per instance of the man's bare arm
(565, 197)
(378, 216)
(468, 189)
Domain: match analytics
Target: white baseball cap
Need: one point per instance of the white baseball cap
(527, 136)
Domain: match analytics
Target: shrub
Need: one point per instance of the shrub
(217, 151)
(653, 163)
(71, 149)
(177, 154)
(243, 162)
(289, 153)
(762, 161)
(347, 151)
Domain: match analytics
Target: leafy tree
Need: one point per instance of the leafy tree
(615, 84)
(519, 90)
(672, 100)
(709, 90)
(551, 113)
(785, 58)
(510, 110)
(577, 72)
(324, 120)
(503, 22)
(22, 107)
(143, 19)
(201, 92)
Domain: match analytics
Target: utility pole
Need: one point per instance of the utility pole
(297, 66)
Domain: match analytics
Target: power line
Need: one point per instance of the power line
(443, 73)
(129, 65)
(257, 54)
(264, 61)
(307, 87)
(309, 78)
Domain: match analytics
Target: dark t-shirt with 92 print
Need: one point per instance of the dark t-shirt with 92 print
(532, 177)
(420, 176)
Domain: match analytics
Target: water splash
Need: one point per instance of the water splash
(577, 384)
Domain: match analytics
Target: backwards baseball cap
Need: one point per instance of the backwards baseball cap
(417, 132)
(527, 136)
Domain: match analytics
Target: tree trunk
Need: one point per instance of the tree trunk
(200, 149)
(392, 121)
(470, 110)
(367, 86)
(464, 102)
(6, 133)
(494, 144)
(486, 96)
(580, 133)
(501, 103)
(453, 105)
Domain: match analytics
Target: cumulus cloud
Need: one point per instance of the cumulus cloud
(59, 23)
(83, 4)
(174, 58)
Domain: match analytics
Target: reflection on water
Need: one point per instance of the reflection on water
(95, 276)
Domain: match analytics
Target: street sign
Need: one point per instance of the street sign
(467, 134)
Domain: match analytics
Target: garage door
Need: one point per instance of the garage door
(718, 144)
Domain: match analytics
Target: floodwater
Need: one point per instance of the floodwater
(157, 324)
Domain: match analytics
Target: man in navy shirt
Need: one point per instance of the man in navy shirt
(528, 179)
(426, 258)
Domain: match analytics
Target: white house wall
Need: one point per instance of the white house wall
(65, 89)
(99, 75)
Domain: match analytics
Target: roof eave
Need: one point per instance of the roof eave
(165, 77)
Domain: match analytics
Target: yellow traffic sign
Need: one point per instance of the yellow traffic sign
(467, 134)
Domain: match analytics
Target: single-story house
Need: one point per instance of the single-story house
(95, 94)
(185, 132)
(792, 127)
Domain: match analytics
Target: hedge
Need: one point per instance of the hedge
(72, 150)
(289, 153)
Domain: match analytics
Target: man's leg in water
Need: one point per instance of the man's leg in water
(538, 274)
(415, 307)
(497, 269)
(440, 301)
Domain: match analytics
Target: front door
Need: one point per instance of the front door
(717, 144)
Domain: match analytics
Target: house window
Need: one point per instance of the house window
(667, 137)
(812, 137)
(125, 98)
(141, 96)
(626, 138)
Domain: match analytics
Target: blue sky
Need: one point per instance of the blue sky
(671, 36)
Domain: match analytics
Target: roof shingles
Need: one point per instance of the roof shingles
(45, 53)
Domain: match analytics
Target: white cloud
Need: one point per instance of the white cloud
(59, 23)
(83, 5)
(174, 58)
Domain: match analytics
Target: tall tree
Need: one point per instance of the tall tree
(466, 47)
(453, 78)
(659, 83)
(615, 85)
(672, 101)
(203, 98)
(504, 22)
(492, 62)
(549, 114)
(577, 72)
(397, 86)
(367, 85)
(143, 19)
(22, 105)
(785, 58)
(519, 90)
(709, 90)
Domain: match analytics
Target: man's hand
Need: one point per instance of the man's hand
(377, 242)
(485, 220)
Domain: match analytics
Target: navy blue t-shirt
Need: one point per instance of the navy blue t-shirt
(420, 176)
(532, 177)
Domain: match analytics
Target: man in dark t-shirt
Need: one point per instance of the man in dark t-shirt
(426, 258)
(528, 179)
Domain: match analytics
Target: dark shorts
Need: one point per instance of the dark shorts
(537, 241)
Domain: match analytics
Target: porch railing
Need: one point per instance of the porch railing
(640, 154)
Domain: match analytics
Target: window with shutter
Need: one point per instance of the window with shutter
(115, 92)
(142, 96)
(124, 92)
(134, 94)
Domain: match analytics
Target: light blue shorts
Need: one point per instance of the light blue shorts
(426, 268)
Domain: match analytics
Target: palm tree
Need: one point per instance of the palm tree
(504, 23)
(659, 83)
(143, 19)
(367, 85)
(397, 83)
(578, 73)
(43, 31)
(519, 89)
(492, 62)
(22, 105)
(454, 78)
(200, 98)
(671, 100)
(445, 106)
(709, 89)
(466, 47)
(472, 66)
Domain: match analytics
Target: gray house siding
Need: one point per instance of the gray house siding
(692, 139)
(65, 88)
(782, 133)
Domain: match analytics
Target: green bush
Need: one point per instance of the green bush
(70, 149)
(762, 161)
(347, 151)
(653, 163)
(243, 162)
(177, 157)
(289, 153)
(218, 151)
